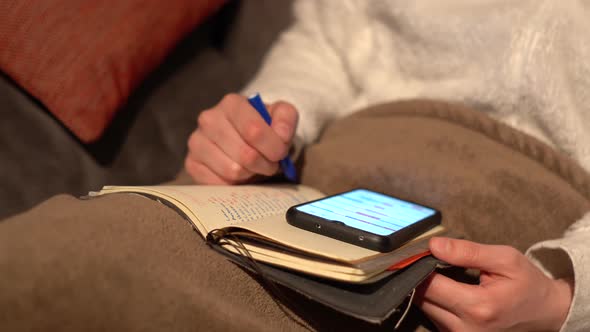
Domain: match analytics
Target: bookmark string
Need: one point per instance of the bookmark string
(403, 316)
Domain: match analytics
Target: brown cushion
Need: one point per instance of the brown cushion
(82, 59)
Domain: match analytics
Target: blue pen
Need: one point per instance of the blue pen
(286, 164)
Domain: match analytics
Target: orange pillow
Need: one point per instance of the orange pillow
(82, 59)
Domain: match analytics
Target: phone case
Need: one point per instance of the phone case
(339, 230)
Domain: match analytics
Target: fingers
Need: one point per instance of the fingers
(448, 294)
(442, 319)
(204, 152)
(252, 128)
(233, 142)
(201, 173)
(284, 120)
(502, 260)
(216, 127)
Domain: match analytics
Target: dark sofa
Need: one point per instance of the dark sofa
(146, 143)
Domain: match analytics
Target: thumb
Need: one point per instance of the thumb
(284, 120)
(490, 258)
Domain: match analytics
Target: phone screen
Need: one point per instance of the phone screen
(368, 211)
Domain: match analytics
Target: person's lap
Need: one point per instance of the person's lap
(120, 263)
(125, 262)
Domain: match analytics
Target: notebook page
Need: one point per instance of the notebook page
(217, 207)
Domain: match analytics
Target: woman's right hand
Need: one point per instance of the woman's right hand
(232, 143)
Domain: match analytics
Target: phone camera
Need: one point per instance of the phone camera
(318, 226)
(361, 238)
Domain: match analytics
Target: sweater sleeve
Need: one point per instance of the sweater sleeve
(569, 257)
(304, 68)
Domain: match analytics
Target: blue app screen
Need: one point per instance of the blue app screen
(369, 211)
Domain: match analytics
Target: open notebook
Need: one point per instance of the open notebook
(250, 220)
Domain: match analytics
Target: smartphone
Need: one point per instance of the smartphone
(365, 218)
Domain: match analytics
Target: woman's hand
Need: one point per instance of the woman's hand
(513, 294)
(233, 143)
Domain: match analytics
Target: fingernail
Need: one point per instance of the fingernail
(439, 244)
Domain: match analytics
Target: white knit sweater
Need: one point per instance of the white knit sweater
(525, 62)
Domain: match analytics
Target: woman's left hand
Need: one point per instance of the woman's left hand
(513, 294)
